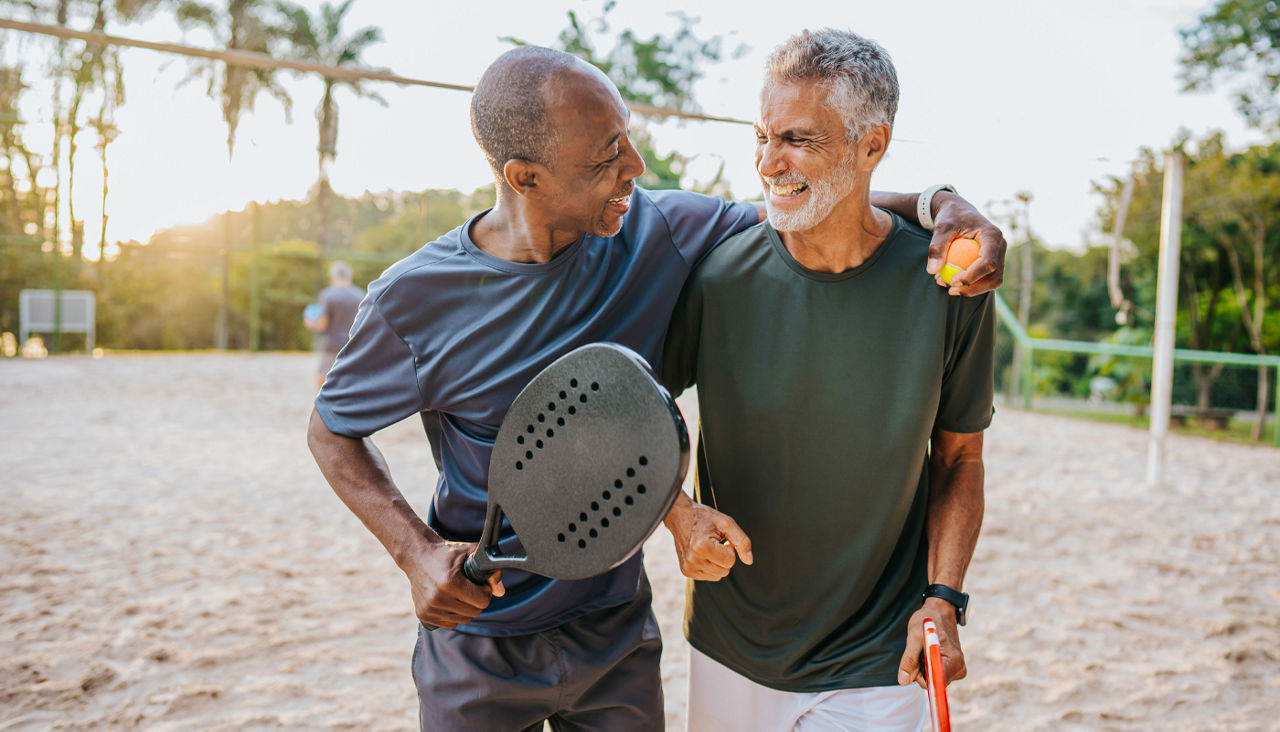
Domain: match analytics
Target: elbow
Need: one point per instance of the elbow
(317, 432)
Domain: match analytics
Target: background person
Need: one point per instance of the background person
(336, 313)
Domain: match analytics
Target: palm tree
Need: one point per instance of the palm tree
(242, 26)
(321, 40)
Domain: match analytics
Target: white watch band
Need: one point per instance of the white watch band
(924, 204)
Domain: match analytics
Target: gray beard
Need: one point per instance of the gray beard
(824, 194)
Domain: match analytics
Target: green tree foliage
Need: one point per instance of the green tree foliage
(165, 293)
(1230, 258)
(658, 71)
(1238, 40)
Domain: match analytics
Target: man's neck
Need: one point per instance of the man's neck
(849, 235)
(512, 232)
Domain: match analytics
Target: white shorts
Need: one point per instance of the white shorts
(722, 699)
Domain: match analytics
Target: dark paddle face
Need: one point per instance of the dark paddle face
(587, 463)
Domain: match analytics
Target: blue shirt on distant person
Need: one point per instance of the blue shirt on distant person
(454, 334)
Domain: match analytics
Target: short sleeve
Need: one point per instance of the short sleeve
(968, 382)
(697, 222)
(680, 351)
(374, 382)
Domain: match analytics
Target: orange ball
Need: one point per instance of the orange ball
(961, 254)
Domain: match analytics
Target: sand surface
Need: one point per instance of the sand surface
(170, 558)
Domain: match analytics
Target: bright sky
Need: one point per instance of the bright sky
(998, 96)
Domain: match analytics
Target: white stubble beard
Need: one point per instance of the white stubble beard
(824, 194)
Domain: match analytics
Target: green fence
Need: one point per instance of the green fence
(1030, 345)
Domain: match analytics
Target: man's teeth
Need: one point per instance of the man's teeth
(620, 201)
(788, 189)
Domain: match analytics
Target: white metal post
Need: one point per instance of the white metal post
(1166, 314)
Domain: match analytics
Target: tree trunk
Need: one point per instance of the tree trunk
(328, 118)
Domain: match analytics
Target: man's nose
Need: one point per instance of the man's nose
(770, 162)
(635, 164)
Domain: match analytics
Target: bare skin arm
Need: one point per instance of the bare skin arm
(356, 470)
(954, 520)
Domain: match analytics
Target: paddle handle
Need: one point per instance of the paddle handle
(935, 679)
(474, 572)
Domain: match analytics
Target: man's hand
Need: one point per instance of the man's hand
(442, 594)
(954, 219)
(706, 540)
(943, 614)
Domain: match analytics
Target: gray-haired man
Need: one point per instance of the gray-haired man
(842, 398)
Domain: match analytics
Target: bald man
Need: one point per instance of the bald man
(572, 253)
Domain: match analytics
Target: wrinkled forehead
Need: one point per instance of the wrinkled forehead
(796, 105)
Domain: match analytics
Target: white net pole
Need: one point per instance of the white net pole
(1166, 315)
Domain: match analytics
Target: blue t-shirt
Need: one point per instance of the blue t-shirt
(454, 334)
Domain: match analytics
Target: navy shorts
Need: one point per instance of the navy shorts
(597, 672)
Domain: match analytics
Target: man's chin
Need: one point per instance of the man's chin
(605, 229)
(801, 220)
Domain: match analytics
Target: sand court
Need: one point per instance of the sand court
(170, 558)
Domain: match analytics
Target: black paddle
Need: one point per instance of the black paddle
(589, 459)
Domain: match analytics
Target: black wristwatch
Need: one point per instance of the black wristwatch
(953, 596)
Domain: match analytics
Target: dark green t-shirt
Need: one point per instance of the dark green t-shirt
(818, 393)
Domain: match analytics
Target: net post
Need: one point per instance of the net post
(1275, 396)
(1028, 363)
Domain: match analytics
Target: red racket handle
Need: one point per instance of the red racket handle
(935, 679)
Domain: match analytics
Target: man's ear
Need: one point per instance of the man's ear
(523, 176)
(872, 146)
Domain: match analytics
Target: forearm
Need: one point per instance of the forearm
(955, 517)
(904, 204)
(357, 472)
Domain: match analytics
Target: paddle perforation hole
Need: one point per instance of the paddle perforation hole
(595, 506)
(529, 429)
(519, 465)
(628, 500)
(563, 395)
(617, 484)
(582, 544)
(572, 527)
(606, 495)
(528, 454)
(593, 533)
(551, 432)
(643, 460)
(604, 522)
(560, 537)
(551, 406)
(631, 472)
(573, 410)
(519, 439)
(582, 398)
(595, 386)
(640, 489)
(618, 511)
(560, 421)
(542, 418)
(582, 516)
(538, 444)
(573, 383)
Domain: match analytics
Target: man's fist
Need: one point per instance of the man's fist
(707, 541)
